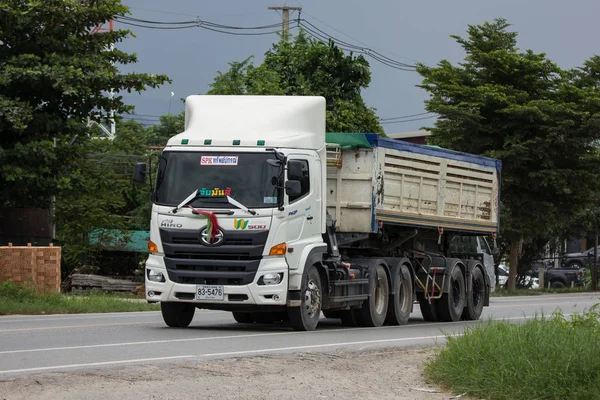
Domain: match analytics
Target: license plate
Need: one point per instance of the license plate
(209, 292)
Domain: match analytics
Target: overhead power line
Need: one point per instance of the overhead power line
(321, 35)
(198, 23)
(314, 31)
(405, 116)
(406, 120)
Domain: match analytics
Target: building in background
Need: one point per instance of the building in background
(418, 137)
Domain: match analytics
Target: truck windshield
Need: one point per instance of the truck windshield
(245, 177)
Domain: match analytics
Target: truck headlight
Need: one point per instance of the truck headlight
(155, 276)
(271, 279)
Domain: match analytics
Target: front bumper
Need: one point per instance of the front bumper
(235, 296)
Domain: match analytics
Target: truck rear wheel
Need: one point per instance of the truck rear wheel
(475, 299)
(306, 317)
(429, 311)
(374, 309)
(400, 304)
(452, 304)
(177, 315)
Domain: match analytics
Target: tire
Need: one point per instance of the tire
(177, 315)
(452, 304)
(306, 317)
(575, 265)
(476, 298)
(429, 311)
(400, 303)
(243, 317)
(557, 285)
(374, 309)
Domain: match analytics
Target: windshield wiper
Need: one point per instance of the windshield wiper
(240, 205)
(195, 195)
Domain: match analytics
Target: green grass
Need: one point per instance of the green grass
(543, 358)
(16, 299)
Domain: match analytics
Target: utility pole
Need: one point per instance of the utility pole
(285, 18)
(113, 126)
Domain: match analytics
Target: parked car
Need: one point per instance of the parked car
(557, 278)
(579, 260)
(560, 277)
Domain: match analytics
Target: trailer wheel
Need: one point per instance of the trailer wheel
(306, 317)
(429, 311)
(243, 317)
(452, 304)
(475, 299)
(375, 308)
(177, 315)
(401, 300)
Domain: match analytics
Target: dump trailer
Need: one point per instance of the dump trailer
(257, 211)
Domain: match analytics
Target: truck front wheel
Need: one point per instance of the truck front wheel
(177, 315)
(306, 317)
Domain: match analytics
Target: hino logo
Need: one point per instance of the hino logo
(169, 223)
(208, 241)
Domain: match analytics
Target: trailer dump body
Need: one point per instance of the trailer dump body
(373, 180)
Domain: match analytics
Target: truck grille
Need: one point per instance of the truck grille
(234, 262)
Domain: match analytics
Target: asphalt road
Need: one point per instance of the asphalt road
(41, 344)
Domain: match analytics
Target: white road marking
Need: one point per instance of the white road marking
(201, 339)
(318, 346)
(232, 353)
(96, 364)
(62, 317)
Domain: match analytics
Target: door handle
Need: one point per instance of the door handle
(310, 217)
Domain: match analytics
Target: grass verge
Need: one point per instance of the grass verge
(543, 358)
(16, 299)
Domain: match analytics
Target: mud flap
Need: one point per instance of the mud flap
(294, 298)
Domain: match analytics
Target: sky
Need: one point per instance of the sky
(407, 31)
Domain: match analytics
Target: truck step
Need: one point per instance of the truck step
(336, 299)
(350, 282)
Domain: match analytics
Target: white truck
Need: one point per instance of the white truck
(257, 211)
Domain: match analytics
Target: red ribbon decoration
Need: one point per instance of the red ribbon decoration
(213, 223)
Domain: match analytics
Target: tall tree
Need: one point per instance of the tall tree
(54, 75)
(307, 67)
(103, 197)
(540, 120)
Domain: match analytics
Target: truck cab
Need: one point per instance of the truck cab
(237, 205)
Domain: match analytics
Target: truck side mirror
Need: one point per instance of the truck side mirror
(294, 170)
(140, 173)
(293, 188)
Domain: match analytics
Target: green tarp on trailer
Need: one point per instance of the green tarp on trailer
(348, 140)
